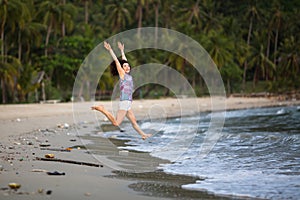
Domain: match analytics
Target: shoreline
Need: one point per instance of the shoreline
(23, 118)
(24, 127)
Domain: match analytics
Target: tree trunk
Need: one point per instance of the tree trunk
(228, 87)
(15, 90)
(140, 18)
(2, 60)
(36, 95)
(2, 39)
(156, 23)
(255, 78)
(63, 29)
(276, 45)
(48, 37)
(19, 46)
(63, 26)
(248, 43)
(268, 53)
(88, 90)
(86, 11)
(3, 91)
(43, 91)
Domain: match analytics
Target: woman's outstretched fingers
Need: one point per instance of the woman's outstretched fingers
(121, 46)
(107, 45)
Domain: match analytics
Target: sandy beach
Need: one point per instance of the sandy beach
(29, 132)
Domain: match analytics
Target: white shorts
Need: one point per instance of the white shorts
(125, 105)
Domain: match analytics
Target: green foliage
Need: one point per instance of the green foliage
(51, 91)
(251, 42)
(260, 87)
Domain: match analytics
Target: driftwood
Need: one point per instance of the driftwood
(69, 161)
(56, 149)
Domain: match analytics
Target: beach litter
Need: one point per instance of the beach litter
(14, 186)
(57, 149)
(49, 155)
(65, 125)
(45, 145)
(69, 161)
(56, 173)
(123, 153)
(47, 130)
(49, 192)
(78, 147)
(87, 194)
(39, 170)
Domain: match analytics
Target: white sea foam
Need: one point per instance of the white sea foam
(256, 157)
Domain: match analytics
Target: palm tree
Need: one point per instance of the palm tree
(24, 15)
(15, 7)
(139, 15)
(22, 21)
(119, 15)
(31, 36)
(86, 10)
(156, 4)
(167, 12)
(50, 14)
(219, 47)
(156, 8)
(261, 63)
(14, 14)
(8, 71)
(194, 13)
(68, 11)
(276, 23)
(190, 16)
(221, 50)
(211, 18)
(252, 14)
(3, 18)
(289, 60)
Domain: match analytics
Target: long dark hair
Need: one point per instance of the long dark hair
(113, 67)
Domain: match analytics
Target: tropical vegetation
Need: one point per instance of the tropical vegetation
(254, 43)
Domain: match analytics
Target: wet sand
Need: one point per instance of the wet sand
(28, 129)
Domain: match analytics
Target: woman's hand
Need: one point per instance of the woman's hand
(107, 46)
(121, 46)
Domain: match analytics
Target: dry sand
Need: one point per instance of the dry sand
(25, 127)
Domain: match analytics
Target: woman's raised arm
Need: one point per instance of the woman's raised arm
(113, 55)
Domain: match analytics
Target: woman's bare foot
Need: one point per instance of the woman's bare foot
(99, 108)
(144, 137)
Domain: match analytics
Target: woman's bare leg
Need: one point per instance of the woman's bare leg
(132, 119)
(120, 116)
(108, 115)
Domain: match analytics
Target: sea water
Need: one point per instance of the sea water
(257, 154)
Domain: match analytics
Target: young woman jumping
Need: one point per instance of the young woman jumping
(122, 68)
